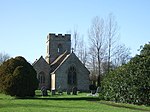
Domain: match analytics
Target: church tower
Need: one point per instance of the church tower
(56, 45)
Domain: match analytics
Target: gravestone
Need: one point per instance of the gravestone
(44, 91)
(60, 92)
(98, 90)
(74, 90)
(68, 92)
(53, 92)
(92, 87)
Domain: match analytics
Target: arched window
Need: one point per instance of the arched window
(41, 77)
(60, 49)
(72, 76)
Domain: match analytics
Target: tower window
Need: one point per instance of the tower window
(60, 49)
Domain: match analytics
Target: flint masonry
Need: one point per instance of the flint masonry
(61, 68)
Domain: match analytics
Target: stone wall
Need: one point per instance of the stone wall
(83, 81)
(53, 41)
(42, 66)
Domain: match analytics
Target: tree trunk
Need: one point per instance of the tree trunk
(99, 69)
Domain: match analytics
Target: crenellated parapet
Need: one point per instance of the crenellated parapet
(56, 45)
(59, 36)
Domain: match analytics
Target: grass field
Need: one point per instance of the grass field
(65, 103)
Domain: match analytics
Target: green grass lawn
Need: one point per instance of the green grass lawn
(65, 103)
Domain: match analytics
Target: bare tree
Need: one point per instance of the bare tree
(79, 46)
(82, 51)
(121, 55)
(92, 62)
(98, 43)
(3, 57)
(75, 39)
(103, 36)
(112, 36)
(92, 65)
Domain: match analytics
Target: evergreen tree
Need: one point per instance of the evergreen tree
(18, 78)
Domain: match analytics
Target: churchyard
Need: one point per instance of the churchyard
(82, 102)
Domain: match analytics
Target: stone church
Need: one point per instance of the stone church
(61, 68)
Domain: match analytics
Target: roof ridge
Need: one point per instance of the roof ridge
(58, 60)
(41, 57)
(61, 62)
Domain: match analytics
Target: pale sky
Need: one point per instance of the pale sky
(24, 24)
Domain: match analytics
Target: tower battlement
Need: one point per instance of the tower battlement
(56, 45)
(59, 36)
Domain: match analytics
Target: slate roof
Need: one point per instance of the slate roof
(61, 59)
(58, 61)
(37, 60)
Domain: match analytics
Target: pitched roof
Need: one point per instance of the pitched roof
(38, 60)
(59, 61)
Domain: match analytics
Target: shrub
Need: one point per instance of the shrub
(18, 78)
(129, 83)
